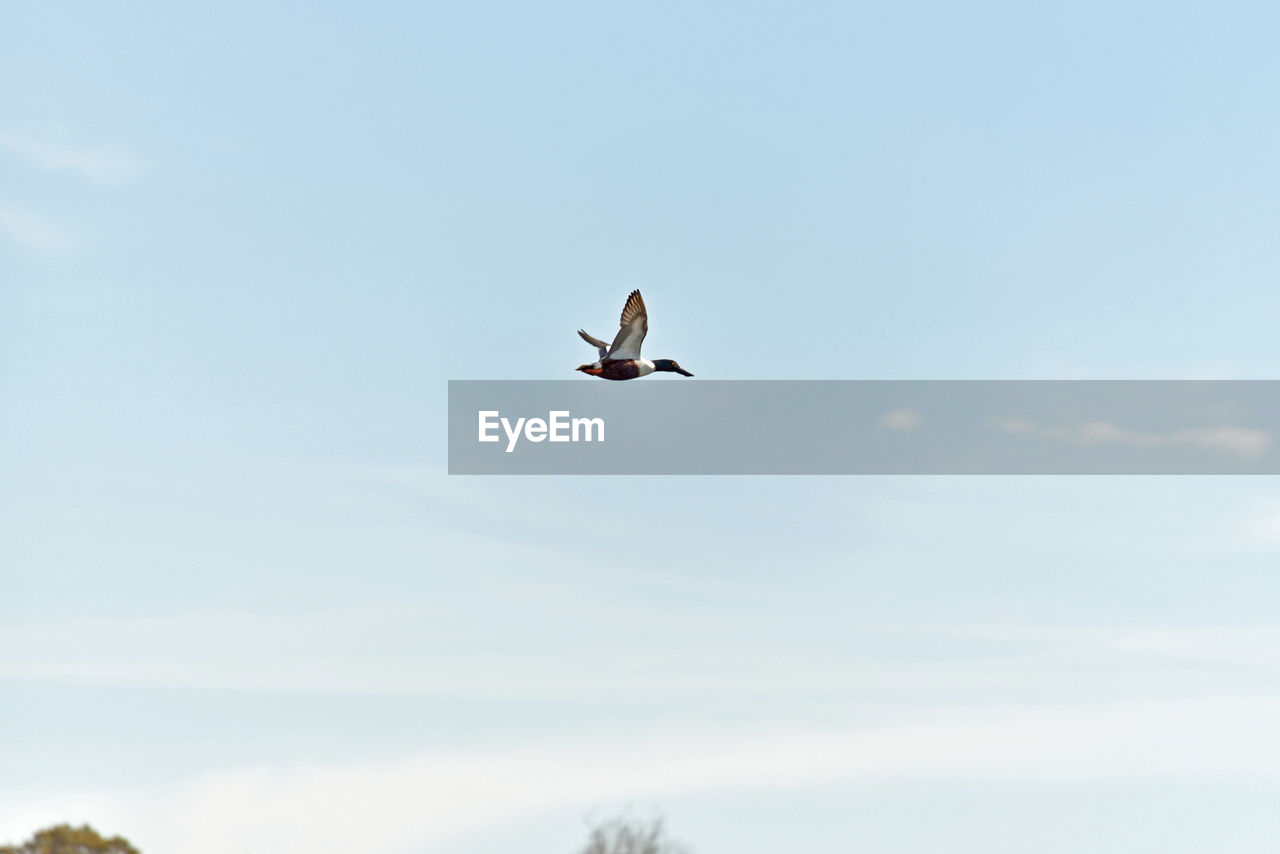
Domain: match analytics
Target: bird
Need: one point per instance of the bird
(621, 359)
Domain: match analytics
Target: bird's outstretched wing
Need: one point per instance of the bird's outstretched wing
(595, 342)
(635, 324)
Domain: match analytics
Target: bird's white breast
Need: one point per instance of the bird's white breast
(645, 366)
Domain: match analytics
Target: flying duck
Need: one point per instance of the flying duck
(621, 359)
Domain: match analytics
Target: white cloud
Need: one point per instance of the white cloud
(902, 420)
(393, 805)
(1268, 528)
(428, 651)
(32, 230)
(1146, 645)
(1235, 441)
(103, 166)
(1258, 527)
(955, 718)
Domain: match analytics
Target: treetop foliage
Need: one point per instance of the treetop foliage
(65, 839)
(627, 835)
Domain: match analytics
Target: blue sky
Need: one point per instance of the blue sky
(243, 248)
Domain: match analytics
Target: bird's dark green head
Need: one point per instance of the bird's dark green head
(669, 365)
